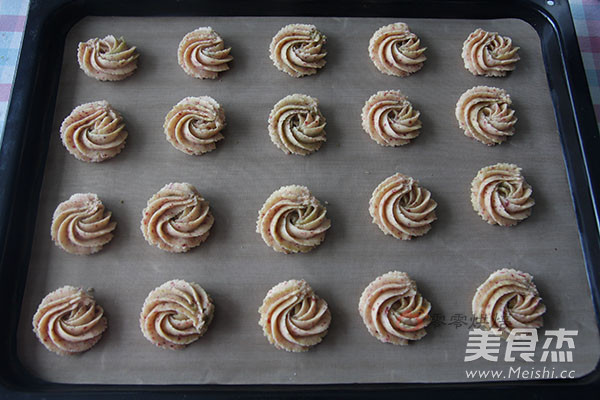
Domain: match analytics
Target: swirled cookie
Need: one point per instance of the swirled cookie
(202, 54)
(194, 125)
(401, 208)
(94, 132)
(296, 125)
(292, 220)
(500, 195)
(390, 119)
(484, 114)
(108, 59)
(507, 300)
(396, 51)
(393, 310)
(81, 225)
(68, 321)
(293, 317)
(298, 50)
(176, 218)
(489, 54)
(176, 314)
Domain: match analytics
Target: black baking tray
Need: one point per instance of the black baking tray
(28, 128)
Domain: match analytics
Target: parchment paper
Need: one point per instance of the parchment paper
(237, 268)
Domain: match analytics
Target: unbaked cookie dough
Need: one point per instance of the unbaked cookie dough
(390, 119)
(194, 125)
(81, 225)
(298, 50)
(108, 59)
(292, 220)
(176, 314)
(296, 125)
(93, 132)
(401, 208)
(484, 113)
(489, 54)
(396, 51)
(177, 218)
(68, 321)
(508, 299)
(393, 310)
(293, 317)
(202, 54)
(500, 195)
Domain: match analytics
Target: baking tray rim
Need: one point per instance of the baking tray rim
(24, 153)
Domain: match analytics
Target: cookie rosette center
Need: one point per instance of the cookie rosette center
(401, 208)
(292, 220)
(390, 119)
(194, 125)
(93, 132)
(108, 59)
(500, 195)
(177, 218)
(489, 54)
(298, 49)
(81, 225)
(393, 310)
(202, 54)
(69, 321)
(485, 114)
(296, 125)
(508, 299)
(293, 317)
(395, 50)
(176, 314)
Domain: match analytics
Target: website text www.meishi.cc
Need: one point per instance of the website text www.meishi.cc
(520, 372)
(521, 345)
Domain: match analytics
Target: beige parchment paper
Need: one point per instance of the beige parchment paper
(237, 268)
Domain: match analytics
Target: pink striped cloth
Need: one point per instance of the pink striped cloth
(586, 16)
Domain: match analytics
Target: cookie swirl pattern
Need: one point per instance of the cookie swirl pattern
(176, 314)
(402, 208)
(292, 220)
(393, 310)
(108, 59)
(390, 119)
(81, 225)
(69, 321)
(298, 50)
(202, 54)
(507, 300)
(489, 54)
(94, 132)
(293, 317)
(177, 218)
(485, 114)
(501, 196)
(296, 126)
(194, 125)
(396, 51)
